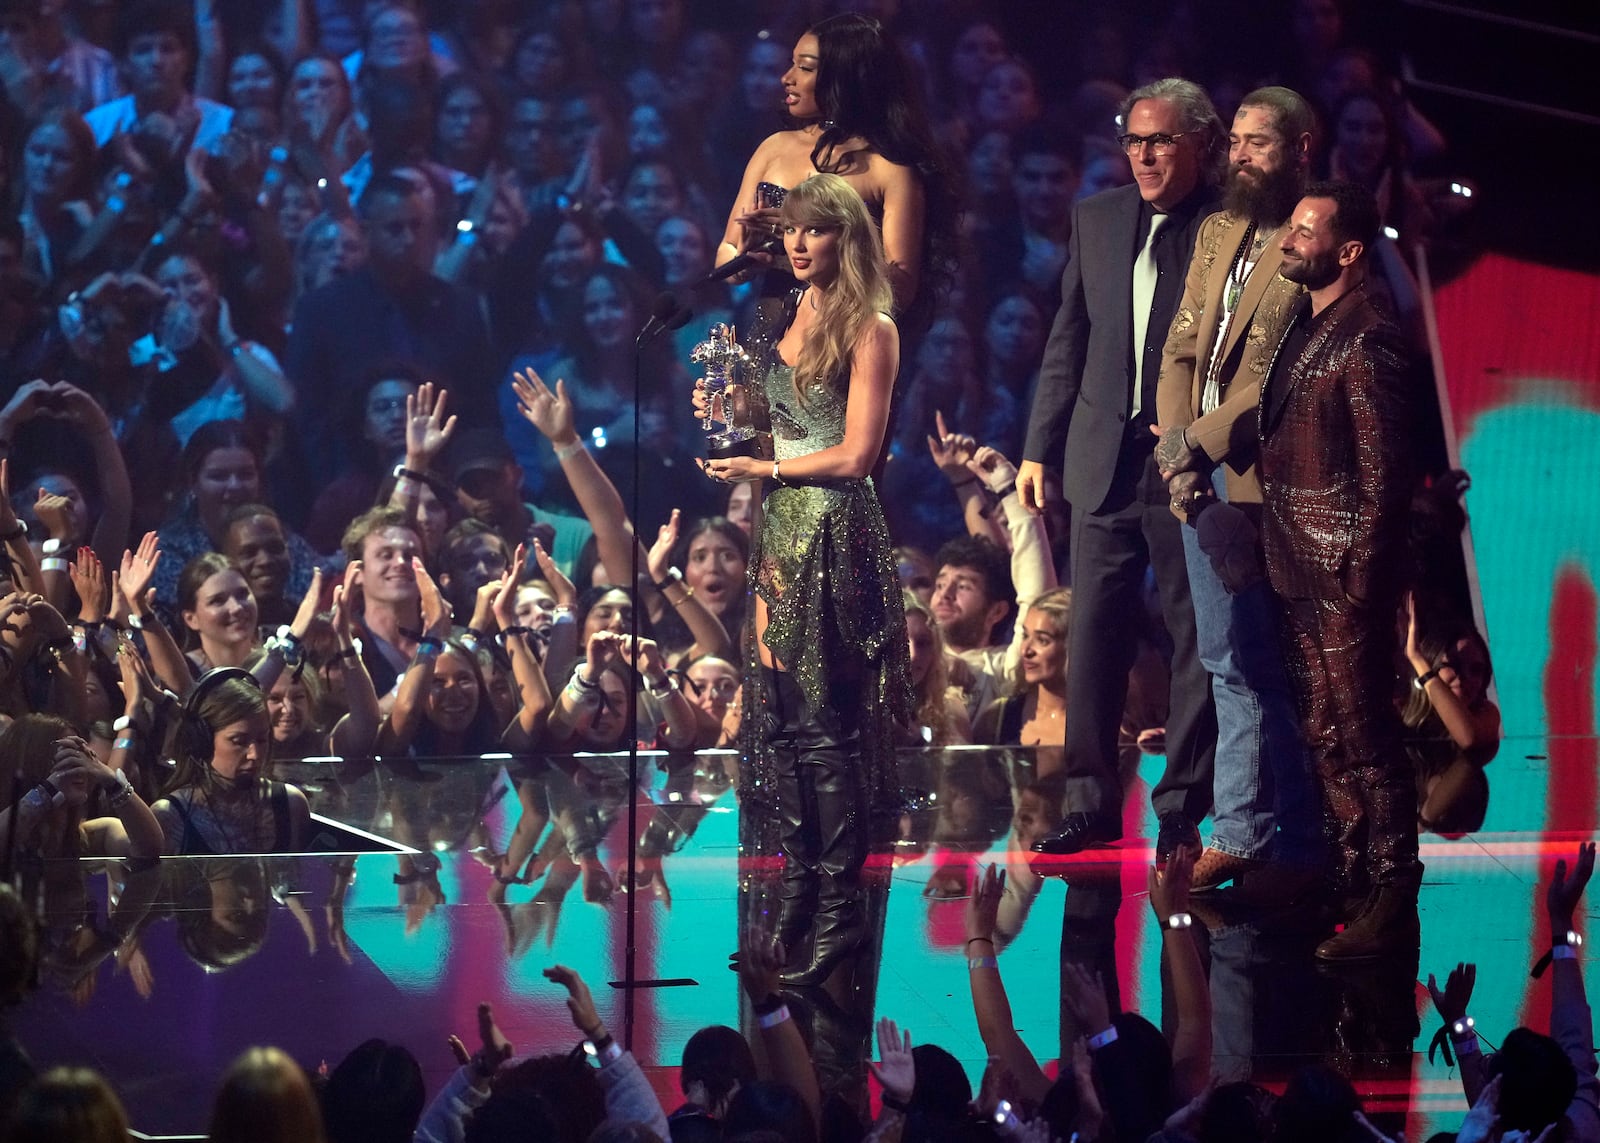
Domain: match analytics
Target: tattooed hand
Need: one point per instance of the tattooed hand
(1174, 453)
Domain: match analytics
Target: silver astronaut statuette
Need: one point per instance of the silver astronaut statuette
(726, 423)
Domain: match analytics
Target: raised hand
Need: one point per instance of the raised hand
(758, 962)
(1169, 886)
(344, 601)
(79, 408)
(603, 650)
(896, 1068)
(8, 515)
(579, 1001)
(644, 656)
(504, 602)
(137, 569)
(1561, 899)
(135, 679)
(306, 614)
(659, 557)
(1452, 1002)
(428, 430)
(565, 592)
(55, 513)
(951, 451)
(493, 1047)
(991, 466)
(89, 581)
(548, 411)
(435, 611)
(1084, 994)
(983, 907)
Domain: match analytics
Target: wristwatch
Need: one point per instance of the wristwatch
(51, 546)
(18, 533)
(673, 578)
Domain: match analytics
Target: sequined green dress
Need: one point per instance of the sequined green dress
(822, 562)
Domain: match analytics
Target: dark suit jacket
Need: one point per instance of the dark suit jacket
(342, 329)
(1086, 381)
(1335, 477)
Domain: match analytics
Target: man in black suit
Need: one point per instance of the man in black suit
(394, 307)
(1095, 402)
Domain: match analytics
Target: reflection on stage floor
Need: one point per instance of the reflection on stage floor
(439, 884)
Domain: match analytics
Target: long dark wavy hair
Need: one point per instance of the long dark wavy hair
(866, 89)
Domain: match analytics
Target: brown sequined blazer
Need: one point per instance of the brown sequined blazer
(1335, 469)
(1229, 433)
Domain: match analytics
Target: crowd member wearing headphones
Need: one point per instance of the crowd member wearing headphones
(222, 798)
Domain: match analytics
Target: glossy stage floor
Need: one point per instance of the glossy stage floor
(397, 927)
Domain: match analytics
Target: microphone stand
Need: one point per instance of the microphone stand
(670, 313)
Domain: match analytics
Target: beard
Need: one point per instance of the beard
(1266, 200)
(1312, 273)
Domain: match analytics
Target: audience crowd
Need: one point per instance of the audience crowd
(320, 408)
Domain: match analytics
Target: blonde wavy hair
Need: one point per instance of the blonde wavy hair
(1056, 606)
(933, 710)
(857, 296)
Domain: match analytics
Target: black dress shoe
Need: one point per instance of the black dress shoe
(1176, 829)
(1076, 833)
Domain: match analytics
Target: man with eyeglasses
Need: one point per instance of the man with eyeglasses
(1266, 825)
(1094, 406)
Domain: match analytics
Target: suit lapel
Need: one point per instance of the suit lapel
(1276, 396)
(1216, 283)
(1260, 278)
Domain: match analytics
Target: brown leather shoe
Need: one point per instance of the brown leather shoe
(1216, 868)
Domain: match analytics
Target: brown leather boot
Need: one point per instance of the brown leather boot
(1386, 925)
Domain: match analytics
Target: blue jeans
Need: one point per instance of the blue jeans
(1266, 805)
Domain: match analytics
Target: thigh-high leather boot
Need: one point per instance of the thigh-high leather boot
(831, 774)
(797, 896)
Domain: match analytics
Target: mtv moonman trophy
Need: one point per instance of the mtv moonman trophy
(725, 360)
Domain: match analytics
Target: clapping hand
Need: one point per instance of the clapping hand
(89, 581)
(435, 611)
(138, 568)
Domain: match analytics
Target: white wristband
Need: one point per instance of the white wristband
(772, 1019)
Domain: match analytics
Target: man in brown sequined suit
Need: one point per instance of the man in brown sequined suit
(1335, 496)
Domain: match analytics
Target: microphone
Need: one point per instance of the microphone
(670, 312)
(665, 308)
(745, 261)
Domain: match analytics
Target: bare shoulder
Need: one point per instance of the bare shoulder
(880, 335)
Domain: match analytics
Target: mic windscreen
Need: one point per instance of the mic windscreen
(666, 305)
(679, 316)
